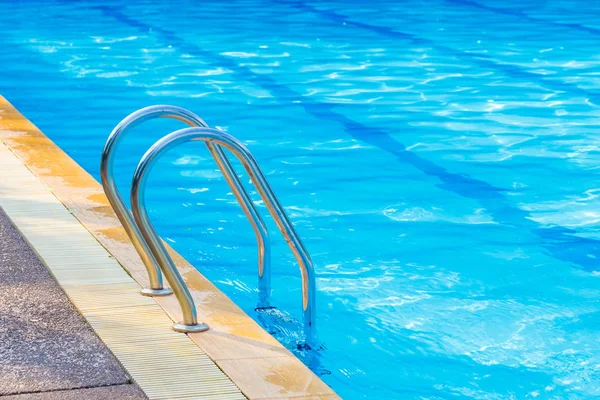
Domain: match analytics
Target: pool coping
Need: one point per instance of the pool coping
(255, 361)
(134, 328)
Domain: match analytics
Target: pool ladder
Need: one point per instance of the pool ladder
(150, 247)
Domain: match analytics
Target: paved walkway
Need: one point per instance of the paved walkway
(48, 351)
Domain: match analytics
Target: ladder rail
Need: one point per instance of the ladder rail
(156, 287)
(219, 138)
(256, 220)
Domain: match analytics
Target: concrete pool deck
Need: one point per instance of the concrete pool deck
(48, 350)
(63, 213)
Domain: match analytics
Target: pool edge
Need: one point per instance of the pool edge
(257, 363)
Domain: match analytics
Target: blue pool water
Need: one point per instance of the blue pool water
(439, 158)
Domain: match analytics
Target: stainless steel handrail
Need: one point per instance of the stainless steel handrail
(106, 172)
(219, 138)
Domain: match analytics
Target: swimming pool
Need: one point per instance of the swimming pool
(438, 158)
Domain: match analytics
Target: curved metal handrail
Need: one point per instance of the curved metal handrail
(106, 172)
(214, 136)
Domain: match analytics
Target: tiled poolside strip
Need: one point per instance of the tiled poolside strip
(62, 211)
(48, 351)
(165, 364)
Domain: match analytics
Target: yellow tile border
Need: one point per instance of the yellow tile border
(135, 328)
(258, 364)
